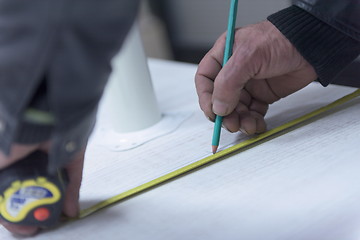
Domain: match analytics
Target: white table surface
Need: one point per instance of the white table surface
(301, 185)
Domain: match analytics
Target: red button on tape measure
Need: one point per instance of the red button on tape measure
(41, 214)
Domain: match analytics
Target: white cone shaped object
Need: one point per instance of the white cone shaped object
(129, 98)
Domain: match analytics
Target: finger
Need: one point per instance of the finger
(259, 107)
(251, 123)
(260, 122)
(231, 122)
(75, 169)
(231, 80)
(207, 71)
(247, 123)
(25, 231)
(206, 105)
(245, 98)
(204, 88)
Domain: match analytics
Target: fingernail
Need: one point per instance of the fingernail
(220, 108)
(243, 131)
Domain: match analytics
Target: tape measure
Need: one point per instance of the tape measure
(29, 195)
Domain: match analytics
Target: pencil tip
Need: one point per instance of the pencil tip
(214, 149)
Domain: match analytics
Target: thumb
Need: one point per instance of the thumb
(75, 169)
(230, 81)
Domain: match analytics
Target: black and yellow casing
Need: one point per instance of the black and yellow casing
(29, 195)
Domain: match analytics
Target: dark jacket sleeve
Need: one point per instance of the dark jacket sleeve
(54, 63)
(325, 32)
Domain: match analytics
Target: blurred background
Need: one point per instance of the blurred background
(184, 30)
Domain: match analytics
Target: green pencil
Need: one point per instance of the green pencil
(227, 54)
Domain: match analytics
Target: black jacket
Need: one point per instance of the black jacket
(325, 32)
(344, 15)
(54, 63)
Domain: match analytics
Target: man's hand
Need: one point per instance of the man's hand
(71, 203)
(264, 67)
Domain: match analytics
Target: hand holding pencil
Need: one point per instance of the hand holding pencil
(263, 68)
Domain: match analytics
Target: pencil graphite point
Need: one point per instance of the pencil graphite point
(214, 149)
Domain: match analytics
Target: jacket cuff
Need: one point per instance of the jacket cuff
(328, 50)
(30, 133)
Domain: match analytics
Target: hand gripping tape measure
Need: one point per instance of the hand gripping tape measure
(29, 195)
